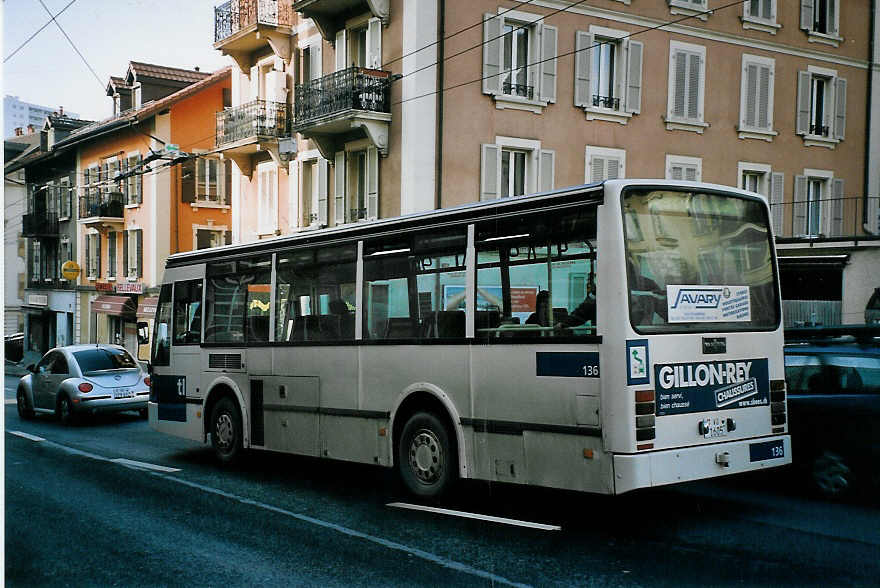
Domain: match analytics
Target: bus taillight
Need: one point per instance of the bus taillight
(777, 405)
(645, 419)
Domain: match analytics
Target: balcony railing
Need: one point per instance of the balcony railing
(606, 102)
(828, 218)
(102, 205)
(40, 224)
(259, 118)
(354, 88)
(521, 90)
(236, 15)
(819, 130)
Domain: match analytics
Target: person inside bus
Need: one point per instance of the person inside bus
(586, 310)
(541, 316)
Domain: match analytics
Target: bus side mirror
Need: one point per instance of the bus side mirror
(143, 333)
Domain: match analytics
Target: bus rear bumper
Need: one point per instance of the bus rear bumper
(670, 466)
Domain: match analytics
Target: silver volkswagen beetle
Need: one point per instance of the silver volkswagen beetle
(83, 379)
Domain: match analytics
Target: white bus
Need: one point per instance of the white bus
(600, 338)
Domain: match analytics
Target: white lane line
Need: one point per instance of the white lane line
(414, 551)
(476, 516)
(144, 466)
(26, 436)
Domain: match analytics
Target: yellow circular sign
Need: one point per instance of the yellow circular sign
(70, 270)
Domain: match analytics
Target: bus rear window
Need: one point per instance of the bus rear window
(698, 262)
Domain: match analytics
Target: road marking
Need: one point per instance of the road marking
(414, 551)
(476, 516)
(144, 466)
(26, 436)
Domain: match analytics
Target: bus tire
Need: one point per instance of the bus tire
(225, 430)
(426, 461)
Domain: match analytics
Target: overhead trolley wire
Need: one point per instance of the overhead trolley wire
(38, 31)
(72, 44)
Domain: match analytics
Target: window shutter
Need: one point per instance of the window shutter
(491, 54)
(88, 256)
(227, 237)
(549, 63)
(293, 194)
(341, 50)
(634, 56)
(690, 173)
(339, 188)
(802, 125)
(764, 108)
(839, 108)
(597, 168)
(188, 181)
(139, 181)
(276, 87)
(139, 235)
(677, 172)
(322, 191)
(680, 76)
(315, 61)
(777, 185)
(807, 15)
(125, 237)
(837, 202)
(226, 196)
(695, 75)
(374, 43)
(124, 164)
(750, 106)
(613, 169)
(372, 183)
(546, 173)
(490, 171)
(98, 249)
(832, 18)
(255, 83)
(799, 213)
(583, 43)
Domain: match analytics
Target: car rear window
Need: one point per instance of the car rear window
(93, 360)
(832, 374)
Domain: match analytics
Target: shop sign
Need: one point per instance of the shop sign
(70, 270)
(103, 286)
(130, 288)
(38, 300)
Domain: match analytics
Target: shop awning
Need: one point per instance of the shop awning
(115, 305)
(147, 308)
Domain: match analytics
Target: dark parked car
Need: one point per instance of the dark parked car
(834, 413)
(83, 379)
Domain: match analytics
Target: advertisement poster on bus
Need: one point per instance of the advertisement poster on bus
(711, 385)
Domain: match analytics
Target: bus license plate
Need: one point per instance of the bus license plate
(766, 450)
(716, 427)
(123, 393)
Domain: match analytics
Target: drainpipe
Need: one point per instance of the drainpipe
(871, 65)
(438, 161)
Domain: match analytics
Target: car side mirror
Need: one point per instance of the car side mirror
(143, 333)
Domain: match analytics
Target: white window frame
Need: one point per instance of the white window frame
(830, 106)
(832, 37)
(267, 198)
(131, 234)
(535, 160)
(763, 169)
(684, 161)
(622, 46)
(537, 64)
(747, 131)
(695, 8)
(94, 238)
(202, 164)
(678, 123)
(221, 229)
(825, 204)
(532, 148)
(759, 23)
(608, 154)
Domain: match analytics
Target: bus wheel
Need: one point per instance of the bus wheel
(425, 458)
(831, 475)
(226, 430)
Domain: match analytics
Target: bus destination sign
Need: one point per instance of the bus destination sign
(711, 385)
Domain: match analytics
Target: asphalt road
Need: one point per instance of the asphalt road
(76, 515)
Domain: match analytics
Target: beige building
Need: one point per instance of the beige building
(348, 110)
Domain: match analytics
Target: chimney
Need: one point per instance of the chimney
(30, 129)
(19, 131)
(196, 68)
(60, 111)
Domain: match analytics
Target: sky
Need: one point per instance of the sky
(109, 34)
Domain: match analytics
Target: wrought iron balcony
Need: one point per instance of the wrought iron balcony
(820, 130)
(352, 89)
(238, 15)
(257, 119)
(40, 224)
(102, 205)
(606, 102)
(518, 90)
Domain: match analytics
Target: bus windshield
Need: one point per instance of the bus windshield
(698, 262)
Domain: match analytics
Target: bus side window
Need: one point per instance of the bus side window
(390, 312)
(188, 312)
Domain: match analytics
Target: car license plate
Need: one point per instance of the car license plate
(766, 450)
(123, 393)
(714, 427)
